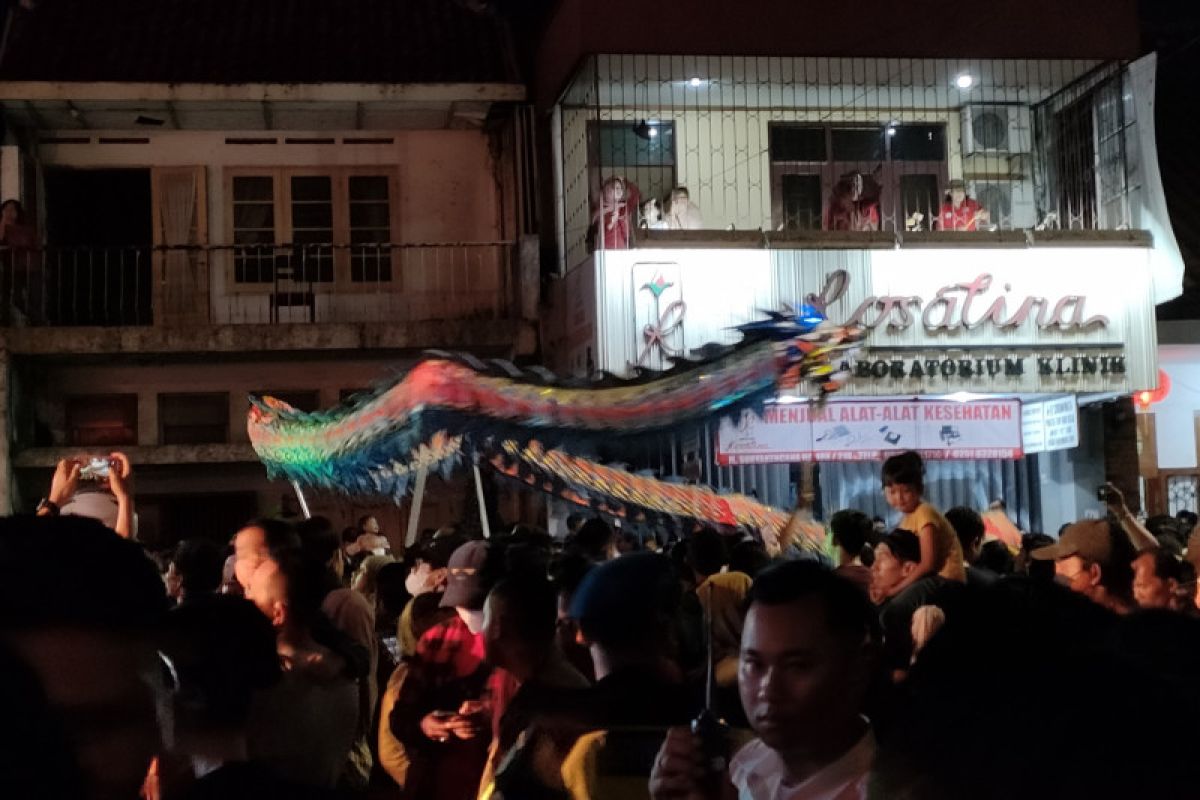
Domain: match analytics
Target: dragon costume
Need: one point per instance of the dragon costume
(546, 431)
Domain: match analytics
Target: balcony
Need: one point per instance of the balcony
(867, 151)
(238, 285)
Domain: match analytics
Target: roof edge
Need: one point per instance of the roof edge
(242, 92)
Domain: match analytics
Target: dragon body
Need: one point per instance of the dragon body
(530, 425)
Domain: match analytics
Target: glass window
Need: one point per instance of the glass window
(253, 229)
(193, 418)
(101, 420)
(312, 228)
(801, 202)
(857, 144)
(641, 152)
(918, 143)
(797, 143)
(370, 229)
(637, 144)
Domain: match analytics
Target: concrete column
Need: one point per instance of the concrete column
(530, 280)
(147, 419)
(239, 407)
(10, 172)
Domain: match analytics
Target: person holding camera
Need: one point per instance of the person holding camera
(1139, 536)
(109, 498)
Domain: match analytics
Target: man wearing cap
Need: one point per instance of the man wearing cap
(1093, 559)
(961, 213)
(440, 716)
(605, 738)
(896, 558)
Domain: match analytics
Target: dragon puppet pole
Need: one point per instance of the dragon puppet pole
(483, 518)
(301, 498)
(414, 513)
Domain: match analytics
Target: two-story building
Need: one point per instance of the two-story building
(230, 198)
(980, 191)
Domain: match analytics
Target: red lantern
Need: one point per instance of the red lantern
(1148, 397)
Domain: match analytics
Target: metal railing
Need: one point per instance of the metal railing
(257, 284)
(845, 144)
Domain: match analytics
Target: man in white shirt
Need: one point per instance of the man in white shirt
(809, 654)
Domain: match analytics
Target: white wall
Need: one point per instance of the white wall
(1175, 416)
(447, 187)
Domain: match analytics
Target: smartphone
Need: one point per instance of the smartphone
(95, 470)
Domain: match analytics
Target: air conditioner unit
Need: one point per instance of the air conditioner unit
(1010, 203)
(996, 130)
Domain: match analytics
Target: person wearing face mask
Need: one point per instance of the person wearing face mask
(441, 714)
(425, 582)
(1094, 558)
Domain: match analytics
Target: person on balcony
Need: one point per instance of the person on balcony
(683, 214)
(960, 212)
(854, 203)
(613, 220)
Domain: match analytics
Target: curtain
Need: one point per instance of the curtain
(180, 278)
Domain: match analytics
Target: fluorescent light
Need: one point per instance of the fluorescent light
(966, 397)
(964, 81)
(695, 83)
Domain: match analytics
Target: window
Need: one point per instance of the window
(253, 227)
(920, 194)
(312, 228)
(797, 143)
(801, 202)
(918, 143)
(296, 228)
(101, 420)
(299, 399)
(856, 177)
(193, 418)
(857, 144)
(370, 228)
(642, 152)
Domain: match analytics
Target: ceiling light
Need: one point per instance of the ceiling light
(695, 83)
(653, 132)
(642, 130)
(964, 81)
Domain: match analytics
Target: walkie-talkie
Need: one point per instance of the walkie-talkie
(712, 730)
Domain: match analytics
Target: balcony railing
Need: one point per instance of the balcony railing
(858, 145)
(257, 284)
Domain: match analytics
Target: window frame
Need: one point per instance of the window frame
(830, 170)
(71, 419)
(597, 168)
(281, 184)
(164, 398)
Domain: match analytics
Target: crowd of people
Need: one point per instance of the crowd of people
(924, 661)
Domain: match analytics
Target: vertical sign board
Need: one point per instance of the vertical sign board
(1062, 424)
(868, 431)
(1050, 425)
